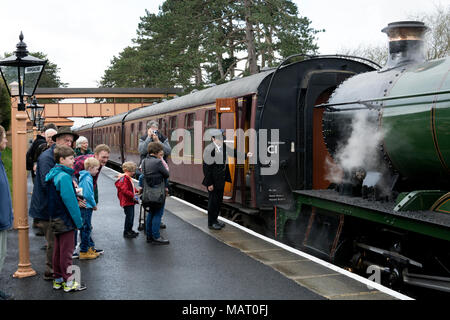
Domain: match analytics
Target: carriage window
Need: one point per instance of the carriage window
(140, 132)
(173, 122)
(189, 120)
(210, 118)
(172, 127)
(189, 139)
(132, 137)
(163, 126)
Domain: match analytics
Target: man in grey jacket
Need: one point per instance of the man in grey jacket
(153, 135)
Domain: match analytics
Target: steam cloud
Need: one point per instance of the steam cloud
(361, 150)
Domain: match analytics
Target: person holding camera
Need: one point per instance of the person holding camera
(153, 135)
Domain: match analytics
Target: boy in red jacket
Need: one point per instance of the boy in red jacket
(126, 192)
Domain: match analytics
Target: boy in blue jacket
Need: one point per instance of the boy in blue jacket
(64, 216)
(91, 168)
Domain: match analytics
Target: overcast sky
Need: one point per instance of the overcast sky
(82, 36)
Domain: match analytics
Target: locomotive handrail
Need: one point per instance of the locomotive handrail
(368, 105)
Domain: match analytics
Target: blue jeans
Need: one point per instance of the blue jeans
(153, 222)
(86, 230)
(129, 218)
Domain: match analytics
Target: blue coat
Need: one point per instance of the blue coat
(6, 214)
(64, 200)
(38, 205)
(87, 183)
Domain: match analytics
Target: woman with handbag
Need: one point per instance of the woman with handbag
(154, 191)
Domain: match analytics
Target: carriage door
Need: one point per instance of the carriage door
(226, 119)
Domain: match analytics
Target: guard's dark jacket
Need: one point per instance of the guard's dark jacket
(217, 174)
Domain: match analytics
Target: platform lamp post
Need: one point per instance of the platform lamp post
(40, 123)
(21, 73)
(34, 111)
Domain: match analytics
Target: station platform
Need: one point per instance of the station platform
(198, 264)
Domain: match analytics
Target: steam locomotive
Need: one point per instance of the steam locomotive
(351, 159)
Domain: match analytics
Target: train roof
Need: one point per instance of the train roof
(113, 119)
(236, 88)
(85, 126)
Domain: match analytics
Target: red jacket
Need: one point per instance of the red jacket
(125, 191)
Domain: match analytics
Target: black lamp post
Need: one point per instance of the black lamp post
(34, 111)
(22, 70)
(40, 123)
(21, 73)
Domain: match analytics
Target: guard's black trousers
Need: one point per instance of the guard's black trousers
(215, 198)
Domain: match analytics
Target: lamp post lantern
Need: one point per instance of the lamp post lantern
(34, 111)
(21, 73)
(40, 123)
(23, 69)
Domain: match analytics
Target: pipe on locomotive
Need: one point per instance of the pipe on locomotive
(370, 106)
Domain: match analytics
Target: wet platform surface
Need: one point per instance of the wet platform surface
(199, 264)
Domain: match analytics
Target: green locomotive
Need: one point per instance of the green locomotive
(388, 201)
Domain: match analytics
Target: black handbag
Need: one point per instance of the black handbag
(153, 194)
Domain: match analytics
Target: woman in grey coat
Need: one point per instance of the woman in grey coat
(155, 174)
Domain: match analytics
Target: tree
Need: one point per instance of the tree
(190, 43)
(438, 37)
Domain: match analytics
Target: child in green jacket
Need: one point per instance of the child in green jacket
(65, 217)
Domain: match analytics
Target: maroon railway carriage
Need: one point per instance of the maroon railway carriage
(281, 99)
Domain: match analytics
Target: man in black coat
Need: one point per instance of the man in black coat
(40, 139)
(216, 172)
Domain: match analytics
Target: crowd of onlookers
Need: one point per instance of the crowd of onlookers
(65, 194)
(64, 172)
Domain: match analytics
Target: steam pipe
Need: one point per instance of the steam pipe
(329, 106)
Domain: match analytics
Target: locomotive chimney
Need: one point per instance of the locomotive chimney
(406, 43)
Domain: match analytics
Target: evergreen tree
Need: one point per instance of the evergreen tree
(190, 43)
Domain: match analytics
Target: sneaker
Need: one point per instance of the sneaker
(58, 285)
(92, 251)
(75, 286)
(99, 251)
(75, 255)
(88, 255)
